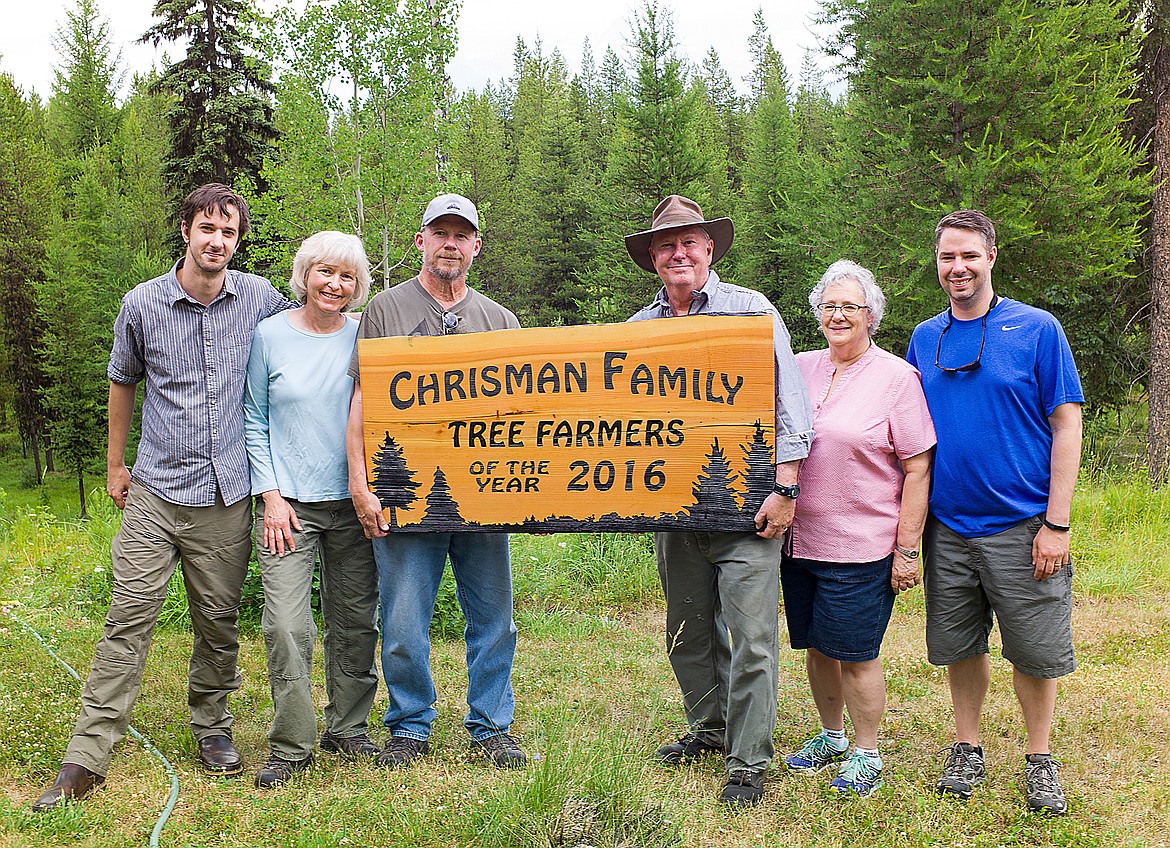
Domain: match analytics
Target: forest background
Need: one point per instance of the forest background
(1051, 115)
(340, 115)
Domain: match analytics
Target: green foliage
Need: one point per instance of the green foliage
(26, 182)
(357, 98)
(220, 113)
(82, 113)
(1008, 106)
(77, 302)
(655, 150)
(779, 218)
(142, 208)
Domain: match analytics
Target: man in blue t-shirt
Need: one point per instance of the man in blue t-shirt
(1005, 397)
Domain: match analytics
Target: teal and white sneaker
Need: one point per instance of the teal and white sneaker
(860, 774)
(816, 754)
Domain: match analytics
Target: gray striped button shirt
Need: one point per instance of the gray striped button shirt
(194, 359)
(794, 428)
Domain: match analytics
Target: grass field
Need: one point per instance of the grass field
(595, 697)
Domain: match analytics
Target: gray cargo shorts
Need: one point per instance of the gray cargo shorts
(968, 580)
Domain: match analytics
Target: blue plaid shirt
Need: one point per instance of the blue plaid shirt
(193, 359)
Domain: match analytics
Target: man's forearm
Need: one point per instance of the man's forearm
(121, 413)
(355, 443)
(787, 472)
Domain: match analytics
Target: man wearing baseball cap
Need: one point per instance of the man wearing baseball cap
(438, 302)
(722, 589)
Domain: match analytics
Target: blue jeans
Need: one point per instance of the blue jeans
(410, 566)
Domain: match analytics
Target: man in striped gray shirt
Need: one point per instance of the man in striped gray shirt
(186, 335)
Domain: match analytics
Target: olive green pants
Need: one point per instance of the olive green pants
(213, 544)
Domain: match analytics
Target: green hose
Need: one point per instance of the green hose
(142, 740)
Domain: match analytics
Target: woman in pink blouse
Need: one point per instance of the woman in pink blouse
(859, 519)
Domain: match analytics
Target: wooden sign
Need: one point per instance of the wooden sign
(655, 425)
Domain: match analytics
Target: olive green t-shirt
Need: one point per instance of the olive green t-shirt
(409, 310)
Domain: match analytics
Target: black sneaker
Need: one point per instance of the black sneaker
(744, 788)
(358, 747)
(686, 749)
(401, 752)
(964, 769)
(278, 771)
(1042, 786)
(501, 750)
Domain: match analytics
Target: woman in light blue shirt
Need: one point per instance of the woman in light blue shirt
(296, 403)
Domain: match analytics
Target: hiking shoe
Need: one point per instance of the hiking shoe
(744, 788)
(359, 747)
(686, 749)
(501, 750)
(816, 754)
(860, 774)
(401, 752)
(1042, 786)
(278, 771)
(964, 769)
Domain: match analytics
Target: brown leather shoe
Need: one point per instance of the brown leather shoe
(73, 783)
(219, 756)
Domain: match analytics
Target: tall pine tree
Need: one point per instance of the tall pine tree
(220, 116)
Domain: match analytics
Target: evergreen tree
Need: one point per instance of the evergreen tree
(1009, 106)
(1152, 110)
(220, 116)
(656, 150)
(82, 109)
(713, 491)
(393, 482)
(442, 511)
(779, 223)
(659, 150)
(26, 192)
(77, 302)
(551, 200)
(141, 146)
(729, 117)
(760, 473)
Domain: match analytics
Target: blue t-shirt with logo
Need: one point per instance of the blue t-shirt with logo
(992, 462)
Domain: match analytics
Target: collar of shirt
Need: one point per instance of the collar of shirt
(178, 293)
(701, 300)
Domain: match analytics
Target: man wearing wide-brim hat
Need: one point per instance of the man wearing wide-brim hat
(722, 589)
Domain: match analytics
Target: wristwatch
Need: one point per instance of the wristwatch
(790, 492)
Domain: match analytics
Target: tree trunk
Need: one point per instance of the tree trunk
(81, 493)
(35, 446)
(1159, 421)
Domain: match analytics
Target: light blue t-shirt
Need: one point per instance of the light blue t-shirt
(992, 462)
(296, 404)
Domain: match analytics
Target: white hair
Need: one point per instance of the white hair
(332, 247)
(844, 269)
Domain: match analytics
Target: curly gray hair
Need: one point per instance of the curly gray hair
(844, 269)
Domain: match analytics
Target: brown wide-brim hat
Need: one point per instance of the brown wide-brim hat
(674, 213)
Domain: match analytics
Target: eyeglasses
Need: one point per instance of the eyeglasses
(970, 366)
(450, 322)
(826, 310)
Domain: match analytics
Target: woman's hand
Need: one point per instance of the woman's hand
(905, 573)
(280, 519)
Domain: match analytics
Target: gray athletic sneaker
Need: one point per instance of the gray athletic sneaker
(964, 769)
(1042, 786)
